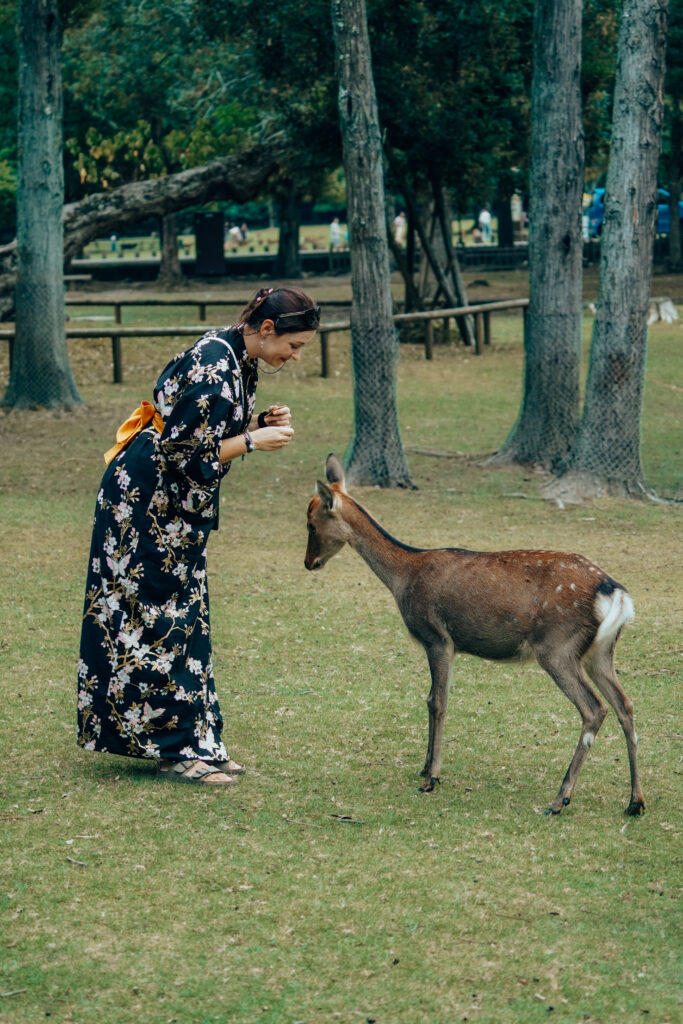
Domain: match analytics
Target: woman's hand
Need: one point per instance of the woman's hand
(277, 416)
(267, 439)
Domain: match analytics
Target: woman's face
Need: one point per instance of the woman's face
(277, 349)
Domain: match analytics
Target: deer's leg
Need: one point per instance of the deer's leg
(601, 670)
(440, 657)
(566, 670)
(430, 742)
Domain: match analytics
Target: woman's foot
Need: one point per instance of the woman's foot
(201, 773)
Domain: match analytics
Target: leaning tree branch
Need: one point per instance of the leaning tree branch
(238, 177)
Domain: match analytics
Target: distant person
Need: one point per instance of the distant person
(234, 235)
(335, 235)
(400, 227)
(485, 224)
(244, 233)
(114, 243)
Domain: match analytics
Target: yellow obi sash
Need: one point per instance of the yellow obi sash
(137, 421)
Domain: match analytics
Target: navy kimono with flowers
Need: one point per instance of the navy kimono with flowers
(145, 674)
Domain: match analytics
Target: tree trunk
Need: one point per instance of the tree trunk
(169, 268)
(41, 374)
(238, 178)
(549, 415)
(606, 455)
(676, 143)
(288, 261)
(506, 232)
(375, 455)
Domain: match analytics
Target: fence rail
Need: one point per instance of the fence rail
(482, 325)
(482, 334)
(199, 304)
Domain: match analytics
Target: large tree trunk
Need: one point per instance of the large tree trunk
(288, 260)
(169, 267)
(549, 415)
(41, 374)
(606, 455)
(375, 455)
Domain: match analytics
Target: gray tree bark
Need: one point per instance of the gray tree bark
(375, 455)
(549, 415)
(288, 260)
(169, 266)
(606, 455)
(41, 374)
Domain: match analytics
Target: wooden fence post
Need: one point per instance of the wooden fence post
(429, 340)
(202, 312)
(478, 325)
(117, 312)
(324, 354)
(116, 358)
(487, 328)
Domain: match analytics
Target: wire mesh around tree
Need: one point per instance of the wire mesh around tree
(375, 455)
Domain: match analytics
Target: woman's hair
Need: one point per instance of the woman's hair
(278, 305)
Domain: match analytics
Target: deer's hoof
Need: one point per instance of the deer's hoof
(429, 786)
(635, 808)
(552, 810)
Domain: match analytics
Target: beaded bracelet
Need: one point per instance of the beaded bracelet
(249, 442)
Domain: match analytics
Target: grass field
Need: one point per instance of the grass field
(325, 888)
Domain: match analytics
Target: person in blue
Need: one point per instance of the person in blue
(145, 675)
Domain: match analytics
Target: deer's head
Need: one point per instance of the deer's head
(327, 531)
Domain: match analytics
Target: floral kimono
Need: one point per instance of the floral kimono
(145, 674)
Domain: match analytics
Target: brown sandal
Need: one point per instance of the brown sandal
(230, 767)
(200, 773)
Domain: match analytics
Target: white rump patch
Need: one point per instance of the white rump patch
(613, 611)
(588, 739)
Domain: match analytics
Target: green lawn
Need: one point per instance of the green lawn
(325, 887)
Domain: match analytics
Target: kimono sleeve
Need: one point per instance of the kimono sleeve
(208, 408)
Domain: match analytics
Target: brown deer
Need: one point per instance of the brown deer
(560, 608)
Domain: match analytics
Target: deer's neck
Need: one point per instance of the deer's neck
(388, 558)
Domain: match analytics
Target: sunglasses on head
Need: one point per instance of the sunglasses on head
(310, 318)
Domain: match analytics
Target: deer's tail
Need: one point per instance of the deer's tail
(613, 608)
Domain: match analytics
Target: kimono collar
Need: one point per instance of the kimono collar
(239, 347)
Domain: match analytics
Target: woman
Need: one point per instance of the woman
(146, 685)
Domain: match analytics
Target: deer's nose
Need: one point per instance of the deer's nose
(315, 564)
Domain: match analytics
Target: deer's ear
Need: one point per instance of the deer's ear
(334, 471)
(326, 495)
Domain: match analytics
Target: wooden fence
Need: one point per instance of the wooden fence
(482, 325)
(199, 304)
(482, 315)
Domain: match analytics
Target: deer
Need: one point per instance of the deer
(560, 608)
